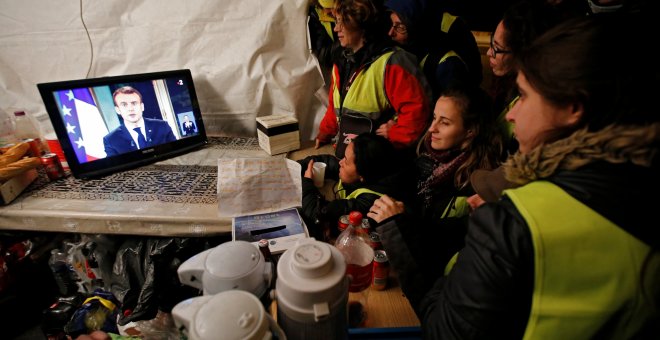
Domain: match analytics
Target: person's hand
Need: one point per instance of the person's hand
(384, 208)
(95, 335)
(310, 167)
(384, 129)
(475, 201)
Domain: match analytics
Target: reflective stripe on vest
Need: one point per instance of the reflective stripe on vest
(326, 21)
(341, 192)
(447, 21)
(458, 207)
(586, 269)
(366, 96)
(444, 57)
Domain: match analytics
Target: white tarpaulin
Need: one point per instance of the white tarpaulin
(248, 58)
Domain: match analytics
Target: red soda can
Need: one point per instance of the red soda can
(52, 166)
(35, 146)
(343, 222)
(381, 270)
(374, 241)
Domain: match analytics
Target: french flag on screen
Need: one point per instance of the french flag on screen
(84, 124)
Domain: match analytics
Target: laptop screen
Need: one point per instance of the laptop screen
(109, 124)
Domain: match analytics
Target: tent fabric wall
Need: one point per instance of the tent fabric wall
(248, 58)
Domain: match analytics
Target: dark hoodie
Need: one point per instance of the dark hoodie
(423, 21)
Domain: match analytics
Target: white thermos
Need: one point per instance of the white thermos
(311, 291)
(231, 315)
(231, 265)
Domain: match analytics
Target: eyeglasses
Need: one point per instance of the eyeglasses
(400, 28)
(495, 49)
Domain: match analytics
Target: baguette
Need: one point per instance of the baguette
(13, 154)
(18, 167)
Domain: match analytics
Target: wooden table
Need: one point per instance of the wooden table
(388, 308)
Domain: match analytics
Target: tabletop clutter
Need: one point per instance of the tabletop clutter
(22, 152)
(232, 285)
(235, 288)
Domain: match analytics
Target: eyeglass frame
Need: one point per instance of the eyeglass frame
(495, 50)
(400, 28)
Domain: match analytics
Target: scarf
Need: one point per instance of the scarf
(445, 163)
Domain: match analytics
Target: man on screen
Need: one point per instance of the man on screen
(188, 126)
(137, 132)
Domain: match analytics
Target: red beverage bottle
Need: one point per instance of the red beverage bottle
(357, 251)
(359, 256)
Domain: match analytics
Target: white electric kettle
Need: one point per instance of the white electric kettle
(231, 315)
(231, 265)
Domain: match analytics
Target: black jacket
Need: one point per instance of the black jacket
(320, 212)
(488, 292)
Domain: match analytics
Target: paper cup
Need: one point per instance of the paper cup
(318, 174)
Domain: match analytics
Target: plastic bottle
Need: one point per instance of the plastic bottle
(62, 272)
(24, 127)
(7, 129)
(355, 246)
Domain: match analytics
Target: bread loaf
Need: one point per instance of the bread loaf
(18, 167)
(14, 153)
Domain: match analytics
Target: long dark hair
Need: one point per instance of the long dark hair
(484, 148)
(375, 157)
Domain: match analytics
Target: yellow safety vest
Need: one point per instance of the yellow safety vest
(341, 192)
(366, 95)
(587, 270)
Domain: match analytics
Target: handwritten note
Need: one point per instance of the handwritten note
(257, 185)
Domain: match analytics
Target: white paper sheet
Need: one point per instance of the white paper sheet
(257, 185)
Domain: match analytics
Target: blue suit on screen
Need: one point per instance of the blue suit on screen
(119, 140)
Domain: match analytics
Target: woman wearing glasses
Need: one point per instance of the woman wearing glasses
(375, 87)
(520, 24)
(444, 46)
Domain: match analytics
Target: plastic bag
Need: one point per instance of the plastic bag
(144, 275)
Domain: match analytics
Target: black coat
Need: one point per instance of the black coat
(488, 293)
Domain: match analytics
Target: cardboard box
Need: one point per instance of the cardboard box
(13, 187)
(278, 133)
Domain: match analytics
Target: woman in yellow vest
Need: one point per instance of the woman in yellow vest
(375, 87)
(368, 170)
(574, 251)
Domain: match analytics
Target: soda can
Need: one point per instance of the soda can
(381, 270)
(374, 241)
(36, 150)
(343, 222)
(52, 166)
(366, 225)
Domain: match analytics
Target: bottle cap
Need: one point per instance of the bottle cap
(355, 218)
